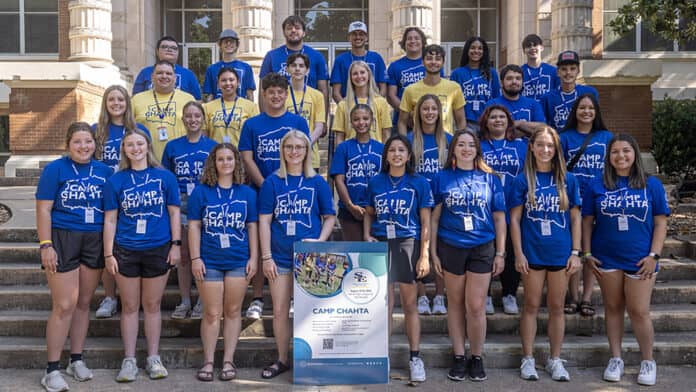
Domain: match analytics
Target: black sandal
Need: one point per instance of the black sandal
(586, 309)
(274, 369)
(205, 375)
(229, 373)
(570, 308)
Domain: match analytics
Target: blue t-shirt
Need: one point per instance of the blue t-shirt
(403, 73)
(142, 195)
(300, 200)
(464, 195)
(358, 162)
(553, 249)
(398, 201)
(539, 81)
(186, 160)
(613, 247)
(111, 155)
(261, 134)
(276, 61)
(524, 108)
(339, 72)
(77, 192)
(185, 80)
(557, 105)
(429, 164)
(224, 215)
(476, 89)
(506, 157)
(244, 73)
(591, 163)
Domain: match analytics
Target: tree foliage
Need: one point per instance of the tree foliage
(671, 19)
(674, 135)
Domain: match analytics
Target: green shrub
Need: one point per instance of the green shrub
(674, 135)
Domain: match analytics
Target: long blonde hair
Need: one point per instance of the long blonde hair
(558, 167)
(125, 162)
(350, 99)
(440, 136)
(307, 169)
(101, 134)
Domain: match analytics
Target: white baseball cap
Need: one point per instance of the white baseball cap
(357, 26)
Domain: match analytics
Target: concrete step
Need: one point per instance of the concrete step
(500, 351)
(28, 172)
(19, 181)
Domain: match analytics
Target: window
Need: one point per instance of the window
(462, 19)
(327, 21)
(29, 26)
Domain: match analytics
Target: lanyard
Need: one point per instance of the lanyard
(292, 202)
(396, 187)
(147, 178)
(224, 207)
(227, 118)
(304, 94)
(571, 100)
(365, 158)
(287, 52)
(79, 179)
(551, 186)
(468, 193)
(355, 98)
(161, 113)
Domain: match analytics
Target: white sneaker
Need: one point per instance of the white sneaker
(54, 382)
(155, 369)
(489, 305)
(255, 309)
(423, 305)
(291, 312)
(614, 370)
(554, 366)
(648, 373)
(129, 370)
(181, 311)
(197, 311)
(79, 371)
(107, 307)
(439, 305)
(510, 304)
(416, 369)
(528, 369)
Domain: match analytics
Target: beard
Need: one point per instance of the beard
(513, 91)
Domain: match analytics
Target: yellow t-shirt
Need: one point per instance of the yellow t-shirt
(380, 110)
(161, 114)
(450, 95)
(215, 119)
(311, 109)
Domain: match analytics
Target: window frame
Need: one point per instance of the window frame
(364, 11)
(22, 54)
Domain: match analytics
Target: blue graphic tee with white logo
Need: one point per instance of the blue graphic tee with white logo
(261, 134)
(358, 162)
(557, 105)
(186, 160)
(224, 215)
(142, 195)
(477, 90)
(619, 246)
(506, 157)
(429, 165)
(276, 61)
(299, 202)
(524, 108)
(403, 73)
(397, 201)
(111, 155)
(591, 163)
(339, 72)
(244, 74)
(539, 81)
(77, 192)
(467, 196)
(546, 233)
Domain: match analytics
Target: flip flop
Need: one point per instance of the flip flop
(274, 370)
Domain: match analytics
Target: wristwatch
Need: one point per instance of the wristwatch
(654, 256)
(575, 252)
(501, 254)
(176, 242)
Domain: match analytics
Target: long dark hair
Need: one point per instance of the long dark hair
(479, 163)
(637, 178)
(486, 133)
(597, 123)
(485, 65)
(410, 163)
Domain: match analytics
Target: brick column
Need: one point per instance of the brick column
(406, 13)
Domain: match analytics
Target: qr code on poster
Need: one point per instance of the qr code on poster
(328, 344)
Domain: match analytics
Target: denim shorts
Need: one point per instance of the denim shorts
(214, 275)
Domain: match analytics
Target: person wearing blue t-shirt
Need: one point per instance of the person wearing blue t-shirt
(223, 242)
(586, 161)
(185, 157)
(228, 42)
(406, 70)
(357, 35)
(539, 78)
(505, 154)
(294, 30)
(355, 162)
(142, 241)
(479, 81)
(468, 244)
(398, 212)
(295, 204)
(526, 112)
(69, 219)
(558, 103)
(545, 227)
(624, 226)
(429, 141)
(168, 50)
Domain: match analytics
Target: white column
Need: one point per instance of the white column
(253, 21)
(571, 26)
(406, 13)
(90, 30)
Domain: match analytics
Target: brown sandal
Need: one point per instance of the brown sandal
(229, 373)
(586, 309)
(205, 375)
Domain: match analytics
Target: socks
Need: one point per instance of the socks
(186, 301)
(414, 354)
(75, 357)
(51, 366)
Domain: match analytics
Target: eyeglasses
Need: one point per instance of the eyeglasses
(173, 48)
(299, 147)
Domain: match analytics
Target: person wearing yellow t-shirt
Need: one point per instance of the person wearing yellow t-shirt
(449, 93)
(161, 108)
(306, 101)
(226, 115)
(362, 89)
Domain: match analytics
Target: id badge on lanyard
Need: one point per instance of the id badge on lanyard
(224, 241)
(391, 231)
(623, 223)
(141, 226)
(189, 188)
(468, 223)
(546, 228)
(162, 133)
(290, 228)
(89, 215)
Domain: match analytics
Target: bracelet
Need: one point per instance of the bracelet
(45, 242)
(501, 254)
(196, 258)
(108, 256)
(46, 245)
(267, 257)
(587, 254)
(268, 261)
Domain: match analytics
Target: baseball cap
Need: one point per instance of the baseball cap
(357, 25)
(568, 57)
(228, 33)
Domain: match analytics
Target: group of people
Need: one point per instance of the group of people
(465, 182)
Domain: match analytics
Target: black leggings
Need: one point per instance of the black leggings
(510, 278)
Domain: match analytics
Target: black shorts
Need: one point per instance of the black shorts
(459, 261)
(148, 263)
(549, 268)
(77, 247)
(403, 254)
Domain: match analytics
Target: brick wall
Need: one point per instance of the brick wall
(628, 109)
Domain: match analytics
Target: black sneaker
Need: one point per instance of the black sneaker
(458, 370)
(476, 372)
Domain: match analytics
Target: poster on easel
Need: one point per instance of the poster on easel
(341, 330)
